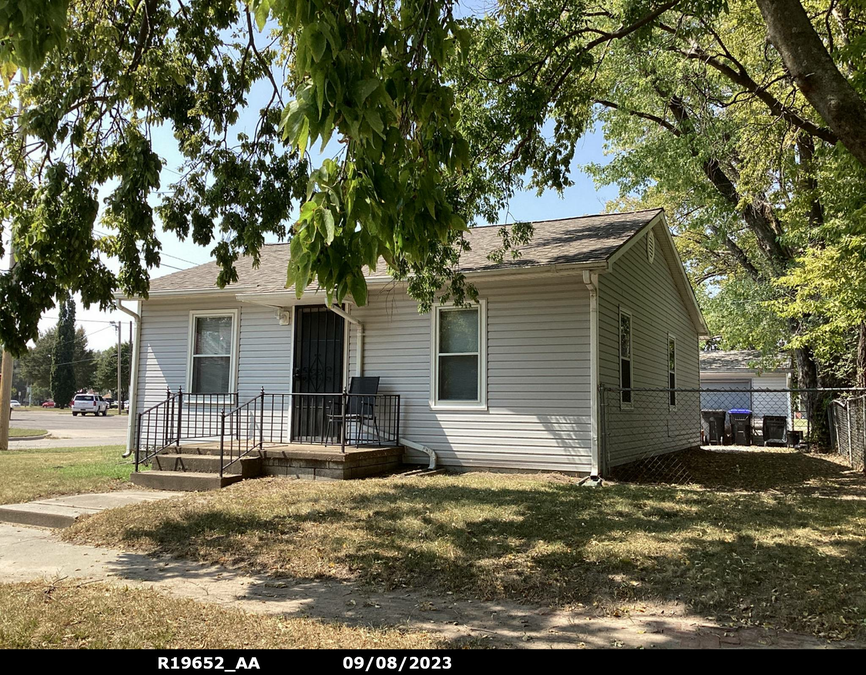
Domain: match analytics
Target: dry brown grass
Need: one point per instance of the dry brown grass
(40, 615)
(767, 556)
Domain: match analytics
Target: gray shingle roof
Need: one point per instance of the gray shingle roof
(585, 239)
(745, 360)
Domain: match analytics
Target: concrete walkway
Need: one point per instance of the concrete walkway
(30, 553)
(63, 511)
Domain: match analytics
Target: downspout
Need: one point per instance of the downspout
(590, 279)
(359, 362)
(133, 380)
(420, 448)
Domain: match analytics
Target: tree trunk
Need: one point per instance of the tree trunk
(861, 356)
(814, 402)
(815, 73)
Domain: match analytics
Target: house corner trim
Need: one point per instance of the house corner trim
(590, 279)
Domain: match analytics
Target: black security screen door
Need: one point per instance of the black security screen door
(318, 365)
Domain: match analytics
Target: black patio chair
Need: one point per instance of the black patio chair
(360, 408)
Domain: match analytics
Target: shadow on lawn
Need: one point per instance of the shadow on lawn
(783, 470)
(798, 563)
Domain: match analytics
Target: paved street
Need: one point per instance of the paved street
(68, 431)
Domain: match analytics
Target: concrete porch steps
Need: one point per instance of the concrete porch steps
(195, 466)
(247, 467)
(183, 481)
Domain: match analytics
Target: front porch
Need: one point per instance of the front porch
(208, 441)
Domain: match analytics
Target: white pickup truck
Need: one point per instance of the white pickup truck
(89, 403)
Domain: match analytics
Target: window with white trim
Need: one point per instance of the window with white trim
(459, 370)
(672, 370)
(625, 357)
(212, 352)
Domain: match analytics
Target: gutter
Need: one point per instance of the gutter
(133, 380)
(590, 279)
(420, 448)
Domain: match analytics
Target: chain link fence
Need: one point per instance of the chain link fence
(848, 428)
(643, 429)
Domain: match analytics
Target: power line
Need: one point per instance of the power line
(161, 253)
(82, 320)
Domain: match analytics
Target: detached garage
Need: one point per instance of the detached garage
(728, 379)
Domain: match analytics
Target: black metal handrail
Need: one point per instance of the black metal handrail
(331, 419)
(156, 426)
(338, 419)
(181, 416)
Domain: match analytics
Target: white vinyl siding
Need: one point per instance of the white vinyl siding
(264, 353)
(538, 376)
(658, 310)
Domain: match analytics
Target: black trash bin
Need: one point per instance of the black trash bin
(741, 426)
(774, 427)
(713, 423)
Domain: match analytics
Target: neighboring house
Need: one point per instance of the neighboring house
(735, 373)
(510, 383)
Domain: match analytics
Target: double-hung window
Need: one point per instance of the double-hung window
(672, 370)
(625, 356)
(213, 347)
(458, 373)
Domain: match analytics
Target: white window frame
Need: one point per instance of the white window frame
(625, 405)
(672, 339)
(481, 402)
(233, 354)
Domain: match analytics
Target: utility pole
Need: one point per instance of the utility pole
(118, 325)
(6, 366)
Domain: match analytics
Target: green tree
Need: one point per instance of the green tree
(104, 84)
(63, 385)
(438, 120)
(36, 362)
(106, 370)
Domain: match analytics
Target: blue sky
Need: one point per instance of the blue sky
(580, 199)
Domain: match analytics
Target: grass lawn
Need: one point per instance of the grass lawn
(16, 433)
(782, 545)
(39, 615)
(27, 474)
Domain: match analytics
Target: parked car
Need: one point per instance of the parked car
(89, 403)
(48, 404)
(111, 403)
(14, 403)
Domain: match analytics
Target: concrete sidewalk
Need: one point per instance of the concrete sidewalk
(63, 511)
(30, 553)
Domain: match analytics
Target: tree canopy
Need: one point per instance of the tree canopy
(428, 120)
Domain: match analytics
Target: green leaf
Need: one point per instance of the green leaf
(318, 42)
(358, 289)
(330, 228)
(375, 121)
(262, 10)
(363, 89)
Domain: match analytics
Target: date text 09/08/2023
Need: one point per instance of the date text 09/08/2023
(349, 663)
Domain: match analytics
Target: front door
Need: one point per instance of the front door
(318, 368)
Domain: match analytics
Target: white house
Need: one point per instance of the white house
(510, 383)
